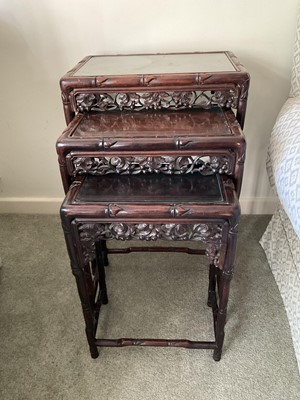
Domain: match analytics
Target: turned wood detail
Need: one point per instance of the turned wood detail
(208, 233)
(137, 101)
(131, 165)
(178, 210)
(175, 210)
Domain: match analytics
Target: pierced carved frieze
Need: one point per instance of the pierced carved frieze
(208, 233)
(132, 165)
(98, 102)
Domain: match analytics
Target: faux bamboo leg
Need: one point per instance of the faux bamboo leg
(104, 252)
(221, 316)
(86, 308)
(224, 286)
(78, 271)
(211, 285)
(101, 269)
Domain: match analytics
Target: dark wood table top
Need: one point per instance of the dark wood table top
(153, 123)
(149, 188)
(163, 130)
(151, 197)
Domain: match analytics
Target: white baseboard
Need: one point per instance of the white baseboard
(259, 205)
(30, 205)
(51, 205)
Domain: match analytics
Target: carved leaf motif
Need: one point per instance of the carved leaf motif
(234, 229)
(85, 101)
(113, 210)
(83, 163)
(177, 210)
(154, 100)
(241, 159)
(212, 252)
(185, 99)
(107, 144)
(123, 99)
(225, 98)
(209, 233)
(206, 165)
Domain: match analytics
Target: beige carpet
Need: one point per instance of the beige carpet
(43, 350)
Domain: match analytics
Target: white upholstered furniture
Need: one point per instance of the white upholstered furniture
(281, 240)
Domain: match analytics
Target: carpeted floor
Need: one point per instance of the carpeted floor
(43, 350)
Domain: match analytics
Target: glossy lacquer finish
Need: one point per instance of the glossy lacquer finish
(153, 150)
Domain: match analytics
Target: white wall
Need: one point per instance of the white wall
(41, 39)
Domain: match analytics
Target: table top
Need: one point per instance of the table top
(140, 70)
(159, 130)
(201, 122)
(142, 74)
(149, 188)
(155, 64)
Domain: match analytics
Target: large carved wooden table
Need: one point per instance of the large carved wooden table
(153, 150)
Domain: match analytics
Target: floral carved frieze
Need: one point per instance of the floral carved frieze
(137, 101)
(132, 165)
(208, 233)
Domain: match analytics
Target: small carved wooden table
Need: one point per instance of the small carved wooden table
(150, 207)
(153, 150)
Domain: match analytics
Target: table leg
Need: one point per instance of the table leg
(79, 272)
(211, 285)
(224, 287)
(86, 308)
(101, 270)
(103, 252)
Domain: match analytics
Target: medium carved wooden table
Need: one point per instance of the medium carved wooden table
(153, 150)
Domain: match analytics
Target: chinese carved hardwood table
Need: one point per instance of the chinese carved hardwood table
(154, 149)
